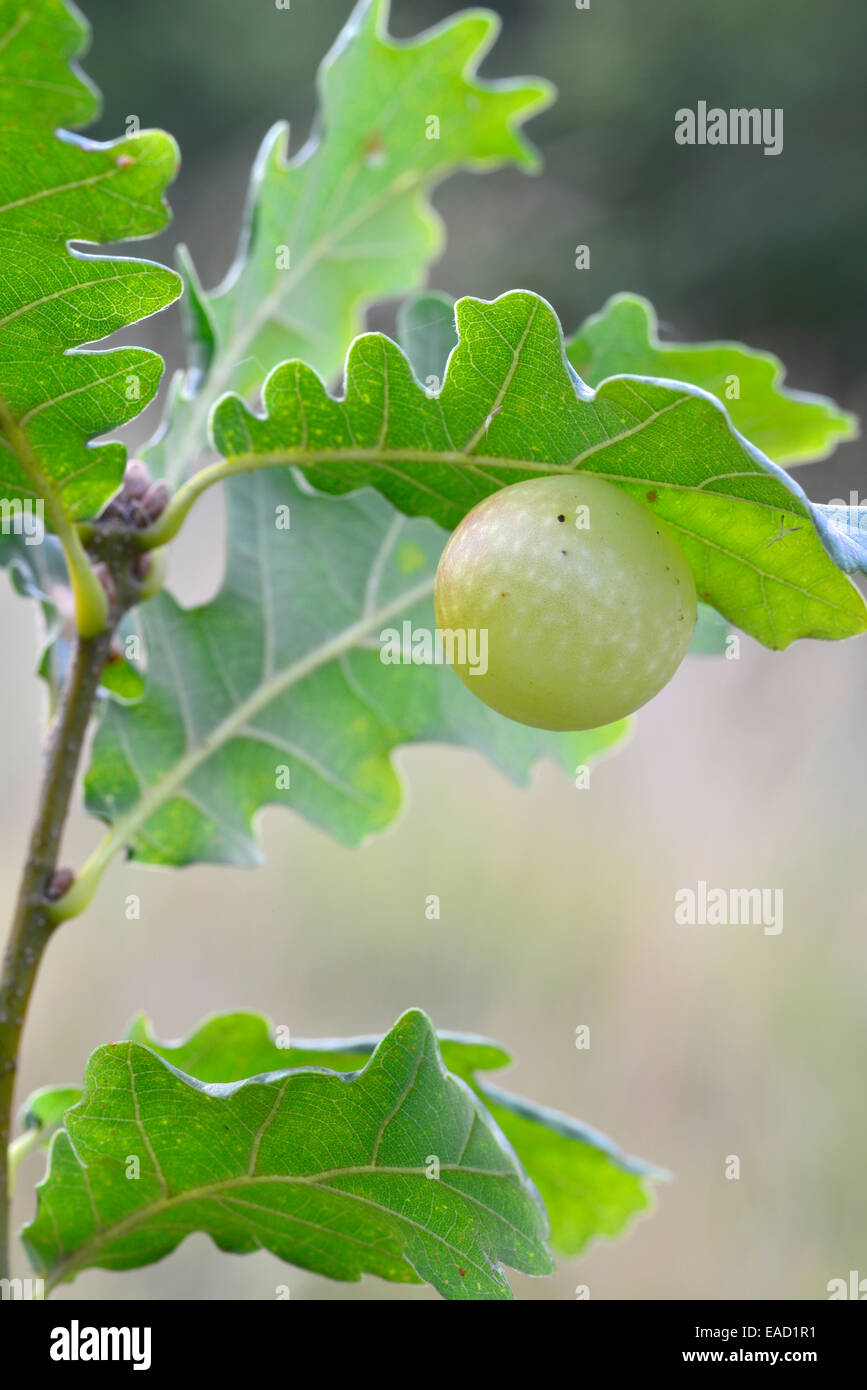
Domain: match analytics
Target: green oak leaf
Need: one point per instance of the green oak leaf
(511, 408)
(55, 398)
(275, 692)
(347, 220)
(329, 1172)
(234, 1047)
(789, 426)
(39, 83)
(591, 1188)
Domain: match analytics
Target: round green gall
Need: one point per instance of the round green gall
(581, 601)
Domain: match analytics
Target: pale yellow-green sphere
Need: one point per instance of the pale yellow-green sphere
(581, 602)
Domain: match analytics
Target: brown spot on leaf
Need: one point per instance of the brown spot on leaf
(374, 150)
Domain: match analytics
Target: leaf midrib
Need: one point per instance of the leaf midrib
(59, 188)
(106, 1236)
(386, 458)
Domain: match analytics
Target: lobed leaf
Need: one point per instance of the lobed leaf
(54, 398)
(347, 220)
(511, 408)
(39, 82)
(590, 1187)
(788, 426)
(329, 1172)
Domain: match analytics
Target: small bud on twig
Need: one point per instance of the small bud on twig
(136, 479)
(155, 500)
(142, 566)
(59, 883)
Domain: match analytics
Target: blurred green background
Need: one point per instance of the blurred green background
(557, 904)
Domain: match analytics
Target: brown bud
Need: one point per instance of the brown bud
(136, 479)
(61, 880)
(155, 500)
(115, 510)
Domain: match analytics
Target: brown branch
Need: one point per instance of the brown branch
(41, 879)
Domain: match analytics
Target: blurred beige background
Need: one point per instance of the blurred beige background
(557, 904)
